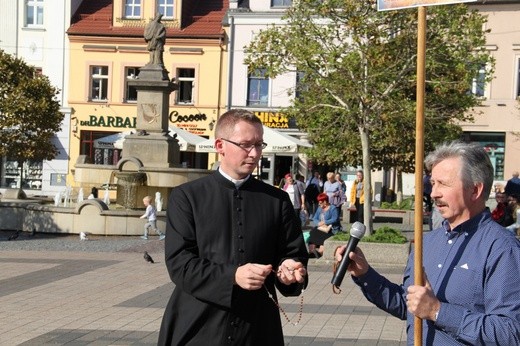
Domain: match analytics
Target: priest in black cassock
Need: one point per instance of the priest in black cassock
(231, 239)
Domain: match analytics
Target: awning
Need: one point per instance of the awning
(277, 142)
(114, 141)
(187, 140)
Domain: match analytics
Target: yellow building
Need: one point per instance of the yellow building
(107, 48)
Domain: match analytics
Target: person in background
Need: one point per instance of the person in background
(471, 289)
(230, 240)
(513, 185)
(313, 189)
(427, 190)
(341, 182)
(513, 212)
(331, 187)
(357, 196)
(151, 215)
(296, 191)
(316, 180)
(502, 214)
(327, 223)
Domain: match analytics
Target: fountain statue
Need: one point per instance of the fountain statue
(158, 201)
(57, 199)
(80, 196)
(106, 196)
(66, 196)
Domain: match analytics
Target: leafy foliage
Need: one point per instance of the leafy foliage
(359, 68)
(29, 112)
(357, 97)
(405, 204)
(383, 234)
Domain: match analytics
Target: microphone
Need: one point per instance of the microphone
(356, 233)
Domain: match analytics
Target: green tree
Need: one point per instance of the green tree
(29, 112)
(356, 99)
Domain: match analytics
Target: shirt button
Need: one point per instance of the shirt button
(241, 250)
(240, 237)
(439, 265)
(450, 241)
(466, 234)
(365, 284)
(239, 223)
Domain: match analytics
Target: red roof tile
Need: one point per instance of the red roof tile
(200, 18)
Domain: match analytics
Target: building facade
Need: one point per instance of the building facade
(497, 121)
(257, 93)
(108, 49)
(34, 30)
(496, 124)
(91, 49)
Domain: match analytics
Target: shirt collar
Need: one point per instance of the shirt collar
(467, 227)
(237, 182)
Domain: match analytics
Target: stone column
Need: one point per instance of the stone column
(151, 143)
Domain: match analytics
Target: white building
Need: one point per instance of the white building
(34, 30)
(262, 96)
(496, 124)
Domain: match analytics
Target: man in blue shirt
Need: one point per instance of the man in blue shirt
(471, 294)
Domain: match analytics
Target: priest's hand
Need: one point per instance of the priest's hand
(251, 276)
(291, 271)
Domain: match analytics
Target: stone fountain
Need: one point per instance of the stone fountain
(150, 157)
(149, 166)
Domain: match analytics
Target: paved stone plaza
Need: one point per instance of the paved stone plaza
(58, 290)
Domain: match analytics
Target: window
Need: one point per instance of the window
(281, 3)
(34, 12)
(494, 144)
(186, 80)
(478, 85)
(98, 83)
(131, 73)
(257, 88)
(518, 79)
(300, 86)
(133, 9)
(98, 155)
(165, 7)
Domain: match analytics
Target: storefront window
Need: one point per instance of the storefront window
(99, 152)
(28, 175)
(494, 144)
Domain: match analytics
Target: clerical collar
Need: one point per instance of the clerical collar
(237, 182)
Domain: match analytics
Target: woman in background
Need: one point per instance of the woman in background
(327, 224)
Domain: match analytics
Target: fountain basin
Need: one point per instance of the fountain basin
(91, 216)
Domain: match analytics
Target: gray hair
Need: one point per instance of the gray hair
(476, 165)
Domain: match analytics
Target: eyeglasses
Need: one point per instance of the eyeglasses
(247, 147)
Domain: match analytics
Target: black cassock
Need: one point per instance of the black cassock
(213, 228)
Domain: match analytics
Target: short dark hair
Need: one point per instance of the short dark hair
(227, 121)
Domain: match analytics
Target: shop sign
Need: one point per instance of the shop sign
(274, 120)
(109, 121)
(190, 122)
(175, 117)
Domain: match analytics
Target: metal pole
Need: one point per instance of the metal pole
(419, 158)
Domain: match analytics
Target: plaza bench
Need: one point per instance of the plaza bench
(406, 217)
